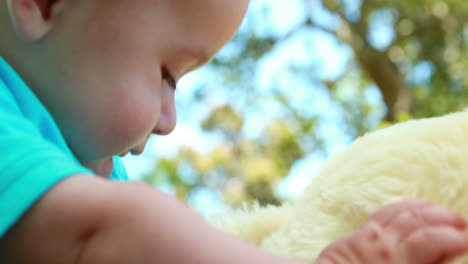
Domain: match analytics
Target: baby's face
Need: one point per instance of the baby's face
(118, 62)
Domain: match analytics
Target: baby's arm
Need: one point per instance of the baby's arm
(410, 232)
(91, 220)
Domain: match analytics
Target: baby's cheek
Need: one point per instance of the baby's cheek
(126, 105)
(135, 122)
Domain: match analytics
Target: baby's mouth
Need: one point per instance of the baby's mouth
(134, 152)
(138, 150)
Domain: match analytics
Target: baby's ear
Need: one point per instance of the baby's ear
(33, 19)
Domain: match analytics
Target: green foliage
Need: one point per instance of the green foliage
(224, 120)
(245, 169)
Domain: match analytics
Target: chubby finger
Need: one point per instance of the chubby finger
(409, 221)
(337, 252)
(367, 245)
(433, 244)
(385, 215)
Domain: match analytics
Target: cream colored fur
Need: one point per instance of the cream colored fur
(421, 159)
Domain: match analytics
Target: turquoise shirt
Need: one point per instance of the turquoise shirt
(33, 153)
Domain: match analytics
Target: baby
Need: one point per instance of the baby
(85, 81)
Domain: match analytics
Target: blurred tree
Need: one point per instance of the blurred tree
(429, 34)
(244, 169)
(418, 69)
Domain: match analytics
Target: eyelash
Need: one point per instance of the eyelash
(168, 77)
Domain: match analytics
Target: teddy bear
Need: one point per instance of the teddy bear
(425, 159)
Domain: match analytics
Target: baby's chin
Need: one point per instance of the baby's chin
(102, 168)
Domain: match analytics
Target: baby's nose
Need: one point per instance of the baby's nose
(168, 116)
(166, 123)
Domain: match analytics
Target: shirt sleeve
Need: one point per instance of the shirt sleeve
(29, 164)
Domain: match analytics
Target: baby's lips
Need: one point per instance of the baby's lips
(138, 149)
(134, 152)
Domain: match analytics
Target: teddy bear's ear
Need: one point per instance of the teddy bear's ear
(33, 19)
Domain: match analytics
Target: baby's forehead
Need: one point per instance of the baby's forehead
(201, 26)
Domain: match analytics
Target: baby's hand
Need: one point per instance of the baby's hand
(409, 232)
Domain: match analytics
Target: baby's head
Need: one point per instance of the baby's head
(106, 69)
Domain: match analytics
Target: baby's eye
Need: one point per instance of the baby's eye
(168, 77)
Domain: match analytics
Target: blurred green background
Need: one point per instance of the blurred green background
(298, 83)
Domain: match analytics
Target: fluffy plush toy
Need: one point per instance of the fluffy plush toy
(421, 159)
